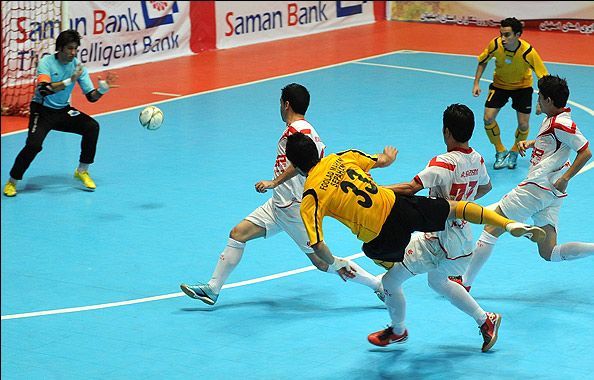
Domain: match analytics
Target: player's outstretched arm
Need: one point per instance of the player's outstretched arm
(339, 265)
(104, 86)
(386, 158)
(262, 186)
(406, 188)
(524, 145)
(482, 190)
(476, 88)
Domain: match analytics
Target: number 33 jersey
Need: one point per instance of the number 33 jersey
(340, 186)
(455, 175)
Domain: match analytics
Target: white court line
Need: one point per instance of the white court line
(166, 94)
(475, 56)
(164, 296)
(577, 105)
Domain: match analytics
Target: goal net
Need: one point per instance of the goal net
(29, 31)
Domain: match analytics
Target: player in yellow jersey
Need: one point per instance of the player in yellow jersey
(339, 186)
(515, 59)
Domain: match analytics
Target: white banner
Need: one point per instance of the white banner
(247, 22)
(566, 16)
(123, 33)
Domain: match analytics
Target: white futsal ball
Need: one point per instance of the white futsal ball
(151, 118)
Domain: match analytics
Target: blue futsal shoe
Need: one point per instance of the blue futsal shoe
(512, 160)
(202, 292)
(500, 160)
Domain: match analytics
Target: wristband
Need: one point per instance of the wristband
(67, 82)
(103, 87)
(336, 265)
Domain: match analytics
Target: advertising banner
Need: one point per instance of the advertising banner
(242, 23)
(123, 33)
(567, 16)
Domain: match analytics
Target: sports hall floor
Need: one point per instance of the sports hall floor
(90, 281)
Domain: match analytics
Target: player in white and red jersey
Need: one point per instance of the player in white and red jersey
(541, 194)
(458, 175)
(290, 191)
(279, 213)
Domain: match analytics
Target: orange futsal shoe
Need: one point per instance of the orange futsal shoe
(385, 337)
(489, 330)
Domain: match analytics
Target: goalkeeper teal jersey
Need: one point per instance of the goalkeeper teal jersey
(50, 70)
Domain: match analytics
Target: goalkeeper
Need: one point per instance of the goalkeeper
(51, 109)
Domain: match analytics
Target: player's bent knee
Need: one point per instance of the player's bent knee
(239, 234)
(93, 127)
(545, 253)
(34, 148)
(488, 121)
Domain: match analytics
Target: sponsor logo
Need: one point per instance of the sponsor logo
(295, 14)
(157, 13)
(348, 10)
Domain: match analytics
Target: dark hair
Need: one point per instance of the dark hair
(297, 96)
(302, 152)
(554, 87)
(514, 23)
(459, 119)
(67, 36)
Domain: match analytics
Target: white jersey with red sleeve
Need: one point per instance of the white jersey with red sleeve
(455, 175)
(291, 191)
(557, 138)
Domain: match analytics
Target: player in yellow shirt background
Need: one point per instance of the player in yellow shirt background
(515, 59)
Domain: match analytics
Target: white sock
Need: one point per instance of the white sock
(572, 251)
(458, 296)
(482, 252)
(230, 257)
(395, 301)
(396, 304)
(82, 167)
(361, 276)
(398, 328)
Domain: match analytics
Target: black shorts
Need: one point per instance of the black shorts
(521, 99)
(409, 214)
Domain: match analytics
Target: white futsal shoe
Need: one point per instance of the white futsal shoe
(536, 234)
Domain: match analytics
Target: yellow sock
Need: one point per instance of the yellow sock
(494, 135)
(520, 136)
(477, 214)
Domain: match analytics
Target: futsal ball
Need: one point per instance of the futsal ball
(151, 118)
